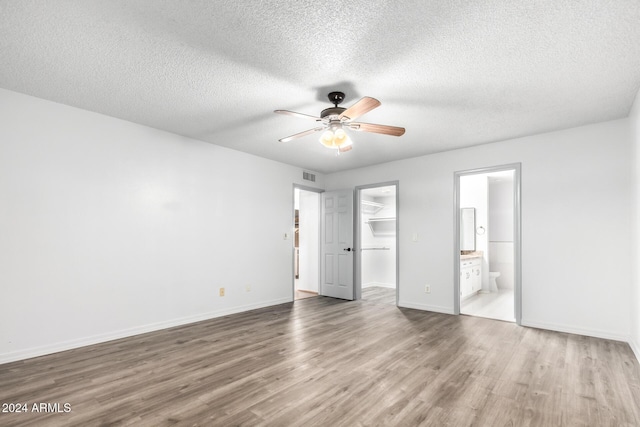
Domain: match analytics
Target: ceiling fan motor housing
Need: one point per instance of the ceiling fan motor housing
(331, 111)
(335, 98)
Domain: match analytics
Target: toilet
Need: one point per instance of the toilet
(493, 286)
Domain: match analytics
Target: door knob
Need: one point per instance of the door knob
(347, 249)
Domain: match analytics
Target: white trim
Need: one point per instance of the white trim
(575, 330)
(110, 336)
(426, 307)
(472, 294)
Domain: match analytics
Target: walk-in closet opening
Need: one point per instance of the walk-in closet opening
(378, 257)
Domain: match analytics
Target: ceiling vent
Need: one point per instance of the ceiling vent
(308, 176)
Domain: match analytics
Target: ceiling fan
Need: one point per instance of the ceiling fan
(334, 120)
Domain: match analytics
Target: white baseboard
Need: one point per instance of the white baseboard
(379, 284)
(426, 307)
(97, 339)
(575, 330)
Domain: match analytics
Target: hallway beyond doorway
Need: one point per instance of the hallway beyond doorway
(306, 225)
(300, 294)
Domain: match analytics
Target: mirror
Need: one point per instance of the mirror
(468, 229)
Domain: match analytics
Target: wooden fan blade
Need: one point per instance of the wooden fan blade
(301, 134)
(294, 114)
(345, 149)
(361, 107)
(383, 129)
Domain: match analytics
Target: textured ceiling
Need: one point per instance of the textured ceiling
(453, 73)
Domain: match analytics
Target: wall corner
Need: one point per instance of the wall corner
(634, 123)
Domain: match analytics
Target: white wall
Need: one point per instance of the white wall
(501, 210)
(634, 118)
(501, 244)
(576, 217)
(108, 228)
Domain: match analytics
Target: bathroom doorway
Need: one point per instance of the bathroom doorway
(377, 249)
(488, 243)
(306, 237)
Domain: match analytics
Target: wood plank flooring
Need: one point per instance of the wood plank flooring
(327, 362)
(379, 294)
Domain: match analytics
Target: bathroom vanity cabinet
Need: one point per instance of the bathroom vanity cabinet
(470, 277)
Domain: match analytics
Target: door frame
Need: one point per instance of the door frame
(357, 283)
(293, 237)
(517, 234)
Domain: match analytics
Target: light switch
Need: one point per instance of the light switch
(414, 238)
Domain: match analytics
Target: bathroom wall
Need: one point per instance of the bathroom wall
(473, 194)
(378, 266)
(500, 230)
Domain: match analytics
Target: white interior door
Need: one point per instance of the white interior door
(337, 244)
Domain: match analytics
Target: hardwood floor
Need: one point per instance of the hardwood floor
(379, 294)
(327, 362)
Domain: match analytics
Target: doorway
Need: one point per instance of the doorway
(377, 247)
(306, 236)
(487, 237)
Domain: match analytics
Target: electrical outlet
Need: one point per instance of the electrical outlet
(221, 292)
(247, 288)
(427, 289)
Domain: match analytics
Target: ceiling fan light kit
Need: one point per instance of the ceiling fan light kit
(334, 120)
(335, 139)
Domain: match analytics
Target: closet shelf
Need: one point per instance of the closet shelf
(382, 226)
(371, 208)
